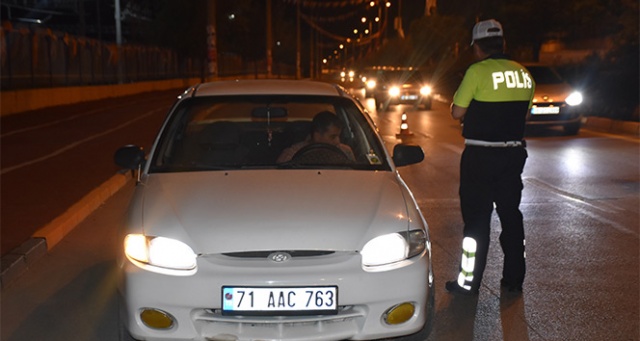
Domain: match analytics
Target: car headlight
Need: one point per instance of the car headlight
(394, 91)
(389, 250)
(575, 98)
(371, 84)
(425, 90)
(160, 254)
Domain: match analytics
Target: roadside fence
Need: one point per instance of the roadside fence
(42, 58)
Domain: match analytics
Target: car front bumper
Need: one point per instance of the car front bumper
(567, 115)
(405, 98)
(194, 302)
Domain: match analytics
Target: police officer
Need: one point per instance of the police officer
(493, 99)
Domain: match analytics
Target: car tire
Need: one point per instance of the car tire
(427, 104)
(123, 333)
(572, 129)
(380, 106)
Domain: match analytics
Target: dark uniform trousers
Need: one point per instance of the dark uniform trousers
(491, 175)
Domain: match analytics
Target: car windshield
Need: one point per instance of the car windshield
(400, 77)
(244, 132)
(544, 75)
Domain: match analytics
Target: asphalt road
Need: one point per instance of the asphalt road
(53, 157)
(581, 208)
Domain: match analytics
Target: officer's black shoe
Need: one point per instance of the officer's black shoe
(454, 288)
(510, 287)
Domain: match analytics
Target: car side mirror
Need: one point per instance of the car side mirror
(404, 154)
(129, 157)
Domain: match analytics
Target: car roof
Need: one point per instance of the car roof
(265, 87)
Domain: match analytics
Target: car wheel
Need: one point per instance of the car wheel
(123, 333)
(572, 129)
(427, 104)
(381, 106)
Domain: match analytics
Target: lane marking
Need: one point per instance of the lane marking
(605, 221)
(69, 118)
(78, 143)
(458, 149)
(572, 196)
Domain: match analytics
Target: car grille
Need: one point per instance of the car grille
(266, 254)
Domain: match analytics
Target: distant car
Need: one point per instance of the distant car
(224, 243)
(555, 102)
(401, 86)
(349, 78)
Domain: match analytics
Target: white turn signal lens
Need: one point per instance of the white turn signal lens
(171, 253)
(385, 249)
(574, 99)
(160, 254)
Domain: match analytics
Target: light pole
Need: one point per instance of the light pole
(212, 49)
(269, 40)
(118, 17)
(386, 18)
(298, 71)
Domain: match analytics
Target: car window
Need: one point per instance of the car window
(244, 132)
(544, 75)
(401, 77)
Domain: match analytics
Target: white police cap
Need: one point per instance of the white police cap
(486, 29)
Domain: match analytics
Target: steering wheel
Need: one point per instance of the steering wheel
(320, 153)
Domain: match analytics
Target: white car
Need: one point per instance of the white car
(555, 102)
(224, 243)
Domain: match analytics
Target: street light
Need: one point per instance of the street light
(386, 18)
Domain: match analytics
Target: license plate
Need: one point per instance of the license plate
(409, 97)
(281, 300)
(545, 110)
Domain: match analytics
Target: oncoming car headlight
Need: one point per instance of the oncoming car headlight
(371, 84)
(575, 98)
(387, 251)
(425, 90)
(159, 254)
(394, 91)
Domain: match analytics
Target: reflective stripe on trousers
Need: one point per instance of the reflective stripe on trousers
(467, 263)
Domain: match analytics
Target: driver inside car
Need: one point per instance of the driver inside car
(326, 128)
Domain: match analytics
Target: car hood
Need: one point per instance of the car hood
(234, 211)
(552, 92)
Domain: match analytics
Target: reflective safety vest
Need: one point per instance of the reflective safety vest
(497, 93)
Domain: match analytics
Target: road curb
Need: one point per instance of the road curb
(18, 260)
(608, 125)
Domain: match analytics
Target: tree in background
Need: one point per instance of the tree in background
(180, 26)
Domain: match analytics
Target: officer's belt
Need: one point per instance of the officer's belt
(480, 143)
